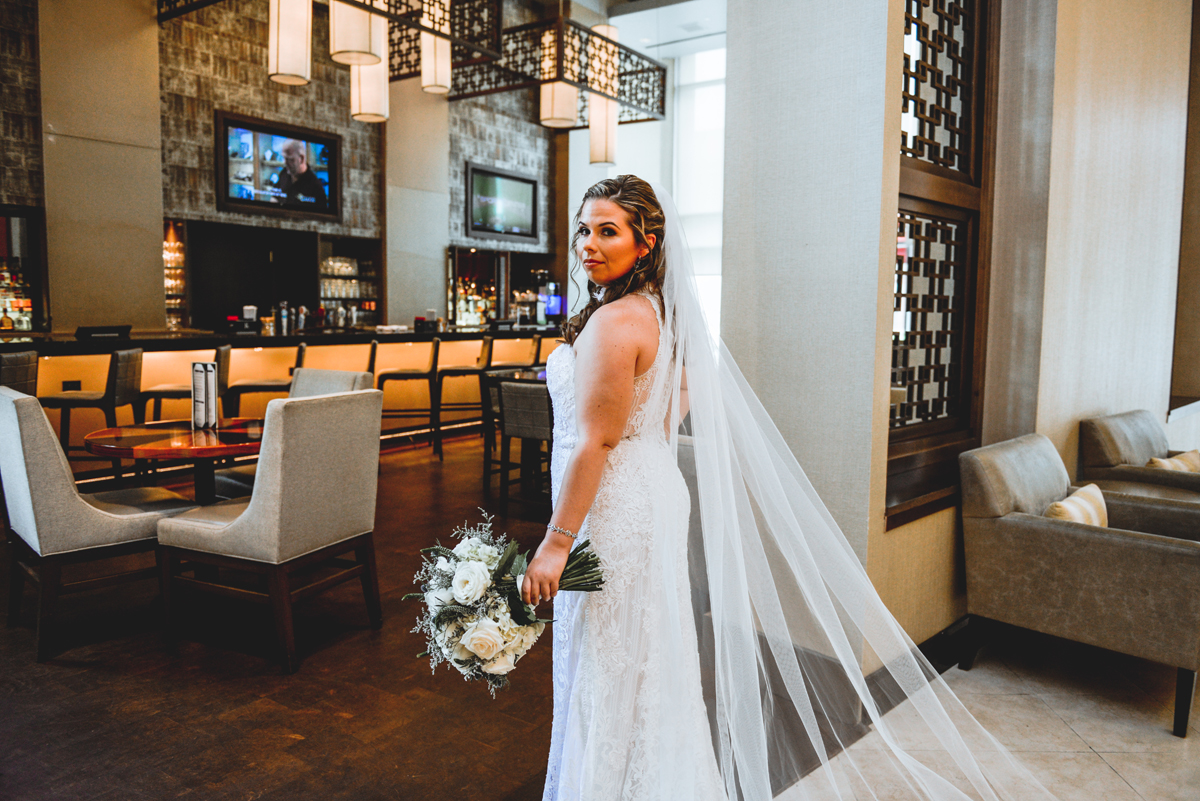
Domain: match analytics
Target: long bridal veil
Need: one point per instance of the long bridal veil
(812, 688)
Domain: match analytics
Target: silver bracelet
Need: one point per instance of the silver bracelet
(561, 530)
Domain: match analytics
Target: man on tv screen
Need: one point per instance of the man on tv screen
(301, 188)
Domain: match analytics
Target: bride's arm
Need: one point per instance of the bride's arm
(606, 356)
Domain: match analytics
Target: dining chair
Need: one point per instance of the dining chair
(482, 364)
(18, 371)
(52, 525)
(159, 392)
(428, 375)
(295, 519)
(526, 413)
(122, 387)
(232, 399)
(238, 481)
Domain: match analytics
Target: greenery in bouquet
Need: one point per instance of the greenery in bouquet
(474, 618)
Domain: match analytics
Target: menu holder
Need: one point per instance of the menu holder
(204, 394)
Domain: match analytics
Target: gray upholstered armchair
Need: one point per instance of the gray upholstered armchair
(51, 524)
(1133, 587)
(238, 482)
(1113, 452)
(313, 500)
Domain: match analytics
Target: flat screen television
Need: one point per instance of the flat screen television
(272, 168)
(501, 205)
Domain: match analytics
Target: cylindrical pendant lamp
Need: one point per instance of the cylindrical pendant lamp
(353, 35)
(559, 100)
(602, 111)
(289, 44)
(369, 92)
(435, 58)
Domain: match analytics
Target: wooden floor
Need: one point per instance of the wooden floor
(115, 716)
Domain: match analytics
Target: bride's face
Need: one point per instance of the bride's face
(607, 245)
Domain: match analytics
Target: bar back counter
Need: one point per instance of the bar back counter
(168, 358)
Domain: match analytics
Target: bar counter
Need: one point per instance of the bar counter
(168, 357)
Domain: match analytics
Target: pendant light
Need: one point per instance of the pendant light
(602, 111)
(289, 45)
(353, 34)
(435, 58)
(369, 85)
(560, 100)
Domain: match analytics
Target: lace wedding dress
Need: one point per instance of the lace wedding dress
(744, 655)
(607, 677)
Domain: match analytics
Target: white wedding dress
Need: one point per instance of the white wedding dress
(607, 680)
(801, 685)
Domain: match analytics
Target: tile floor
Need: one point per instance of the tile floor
(1090, 724)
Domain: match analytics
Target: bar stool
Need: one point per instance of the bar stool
(232, 399)
(19, 371)
(183, 391)
(525, 413)
(428, 375)
(122, 388)
(536, 359)
(371, 357)
(482, 365)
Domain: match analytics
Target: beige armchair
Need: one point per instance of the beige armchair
(238, 482)
(52, 525)
(296, 516)
(1133, 587)
(1113, 452)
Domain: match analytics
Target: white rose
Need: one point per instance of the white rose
(501, 664)
(471, 581)
(483, 639)
(436, 599)
(443, 565)
(463, 549)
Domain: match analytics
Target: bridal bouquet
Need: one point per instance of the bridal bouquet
(474, 617)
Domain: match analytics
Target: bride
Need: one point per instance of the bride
(738, 649)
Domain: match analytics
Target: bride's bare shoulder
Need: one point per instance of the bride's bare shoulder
(630, 319)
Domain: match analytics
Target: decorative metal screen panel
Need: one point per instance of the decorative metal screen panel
(929, 317)
(565, 50)
(939, 67)
(473, 21)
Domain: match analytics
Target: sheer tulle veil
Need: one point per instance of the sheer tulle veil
(813, 691)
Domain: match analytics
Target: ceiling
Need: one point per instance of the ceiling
(666, 29)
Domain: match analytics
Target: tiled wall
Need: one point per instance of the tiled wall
(216, 58)
(20, 116)
(502, 130)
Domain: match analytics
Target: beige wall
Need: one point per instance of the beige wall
(1185, 378)
(417, 201)
(103, 162)
(1116, 186)
(811, 183)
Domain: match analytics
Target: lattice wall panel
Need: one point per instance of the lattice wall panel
(929, 318)
(939, 63)
(474, 21)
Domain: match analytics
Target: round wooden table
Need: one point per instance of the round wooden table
(176, 439)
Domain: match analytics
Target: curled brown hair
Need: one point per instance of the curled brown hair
(635, 197)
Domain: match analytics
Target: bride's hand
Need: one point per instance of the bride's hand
(545, 569)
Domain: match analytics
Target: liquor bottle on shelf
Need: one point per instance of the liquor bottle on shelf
(6, 323)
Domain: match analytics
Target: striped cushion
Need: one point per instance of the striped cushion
(1084, 505)
(1188, 462)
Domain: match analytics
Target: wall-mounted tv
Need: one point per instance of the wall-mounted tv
(501, 205)
(272, 168)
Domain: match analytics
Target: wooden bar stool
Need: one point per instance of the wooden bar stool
(482, 365)
(183, 391)
(526, 413)
(429, 375)
(122, 388)
(232, 399)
